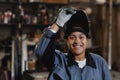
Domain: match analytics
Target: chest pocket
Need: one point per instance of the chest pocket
(89, 73)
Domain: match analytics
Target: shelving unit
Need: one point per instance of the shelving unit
(21, 23)
(30, 17)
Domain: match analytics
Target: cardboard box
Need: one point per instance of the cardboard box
(56, 1)
(79, 0)
(35, 0)
(117, 1)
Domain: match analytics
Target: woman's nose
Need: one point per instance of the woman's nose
(77, 40)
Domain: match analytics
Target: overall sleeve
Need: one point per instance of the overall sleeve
(45, 48)
(106, 72)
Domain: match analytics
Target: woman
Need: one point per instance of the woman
(78, 64)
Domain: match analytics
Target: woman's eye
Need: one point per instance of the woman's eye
(71, 37)
(81, 37)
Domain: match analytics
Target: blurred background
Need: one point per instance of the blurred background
(21, 25)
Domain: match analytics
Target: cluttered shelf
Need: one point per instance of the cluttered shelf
(28, 14)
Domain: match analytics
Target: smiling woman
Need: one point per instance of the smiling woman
(77, 43)
(78, 64)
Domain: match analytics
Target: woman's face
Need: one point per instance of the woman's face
(77, 43)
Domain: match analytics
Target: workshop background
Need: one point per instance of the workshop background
(22, 23)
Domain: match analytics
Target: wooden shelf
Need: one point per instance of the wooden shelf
(31, 26)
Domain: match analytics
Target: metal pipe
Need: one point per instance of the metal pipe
(110, 34)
